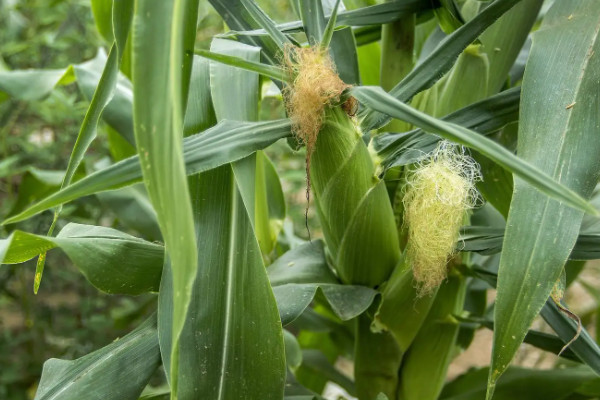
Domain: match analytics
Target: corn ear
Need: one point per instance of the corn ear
(425, 365)
(352, 203)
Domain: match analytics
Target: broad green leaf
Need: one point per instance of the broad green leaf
(235, 332)
(557, 134)
(112, 261)
(102, 10)
(163, 40)
(377, 99)
(226, 142)
(297, 275)
(439, 61)
(521, 384)
(485, 117)
(118, 371)
(503, 41)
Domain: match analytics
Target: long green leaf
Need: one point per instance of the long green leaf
(377, 99)
(122, 14)
(163, 33)
(558, 135)
(365, 16)
(267, 70)
(486, 240)
(238, 357)
(226, 142)
(266, 23)
(485, 117)
(237, 17)
(439, 61)
(118, 371)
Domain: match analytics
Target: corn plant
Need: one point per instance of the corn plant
(449, 148)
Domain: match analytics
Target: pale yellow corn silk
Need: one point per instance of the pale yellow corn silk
(438, 194)
(316, 85)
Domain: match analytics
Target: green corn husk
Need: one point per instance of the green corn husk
(377, 358)
(402, 312)
(425, 365)
(352, 203)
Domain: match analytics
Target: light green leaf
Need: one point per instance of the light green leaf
(558, 135)
(163, 40)
(267, 70)
(377, 99)
(119, 371)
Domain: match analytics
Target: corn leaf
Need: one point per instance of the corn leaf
(365, 16)
(237, 17)
(226, 142)
(584, 347)
(120, 370)
(112, 261)
(163, 39)
(487, 240)
(296, 276)
(522, 384)
(485, 117)
(557, 134)
(234, 340)
(266, 23)
(267, 70)
(377, 99)
(439, 60)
